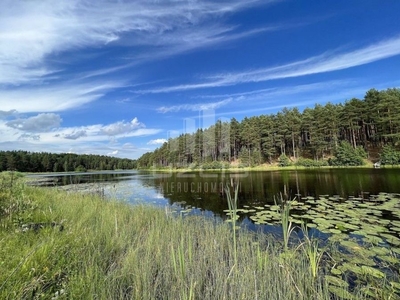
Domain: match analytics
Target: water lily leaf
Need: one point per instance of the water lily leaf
(396, 223)
(389, 258)
(396, 229)
(350, 245)
(373, 272)
(396, 250)
(350, 226)
(372, 239)
(391, 239)
(336, 281)
(351, 268)
(380, 250)
(336, 271)
(359, 232)
(395, 285)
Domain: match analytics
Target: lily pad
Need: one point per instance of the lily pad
(336, 281)
(372, 271)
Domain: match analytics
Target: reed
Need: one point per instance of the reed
(287, 225)
(232, 206)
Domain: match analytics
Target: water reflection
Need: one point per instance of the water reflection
(257, 188)
(205, 190)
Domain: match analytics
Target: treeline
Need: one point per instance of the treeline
(24, 161)
(316, 133)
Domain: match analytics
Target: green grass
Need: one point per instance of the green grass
(101, 249)
(267, 167)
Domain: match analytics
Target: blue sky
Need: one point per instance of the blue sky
(120, 77)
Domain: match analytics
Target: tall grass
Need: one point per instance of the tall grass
(287, 225)
(233, 206)
(111, 250)
(312, 251)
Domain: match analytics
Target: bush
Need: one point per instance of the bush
(389, 156)
(80, 168)
(14, 205)
(284, 161)
(309, 163)
(346, 155)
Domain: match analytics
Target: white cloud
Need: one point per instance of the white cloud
(157, 142)
(40, 123)
(194, 107)
(326, 62)
(94, 139)
(121, 127)
(115, 152)
(54, 98)
(31, 31)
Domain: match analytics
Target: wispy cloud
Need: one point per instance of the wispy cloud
(194, 107)
(54, 98)
(326, 62)
(31, 32)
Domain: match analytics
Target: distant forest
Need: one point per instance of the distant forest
(24, 161)
(370, 125)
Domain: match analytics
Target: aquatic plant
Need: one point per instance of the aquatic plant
(233, 206)
(287, 228)
(311, 248)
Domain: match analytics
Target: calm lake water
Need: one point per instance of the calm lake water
(205, 190)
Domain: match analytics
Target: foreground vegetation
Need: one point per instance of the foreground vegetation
(57, 245)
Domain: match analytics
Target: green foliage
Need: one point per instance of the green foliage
(24, 161)
(15, 207)
(346, 155)
(80, 168)
(214, 165)
(390, 156)
(317, 132)
(284, 161)
(310, 163)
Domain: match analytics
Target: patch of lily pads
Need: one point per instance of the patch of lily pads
(366, 232)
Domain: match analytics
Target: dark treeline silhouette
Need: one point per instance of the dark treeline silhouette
(24, 161)
(316, 133)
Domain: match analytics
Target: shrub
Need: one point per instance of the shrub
(346, 155)
(389, 156)
(284, 161)
(309, 163)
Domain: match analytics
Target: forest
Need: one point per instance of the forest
(329, 134)
(24, 161)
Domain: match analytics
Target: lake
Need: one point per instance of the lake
(356, 211)
(204, 191)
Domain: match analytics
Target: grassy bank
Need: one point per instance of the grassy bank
(267, 167)
(59, 245)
